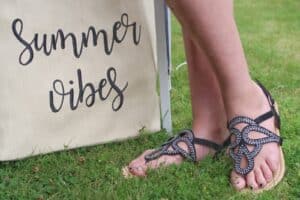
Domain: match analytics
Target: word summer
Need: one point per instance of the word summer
(87, 93)
(45, 43)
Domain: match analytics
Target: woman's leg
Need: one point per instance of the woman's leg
(209, 116)
(212, 25)
(206, 98)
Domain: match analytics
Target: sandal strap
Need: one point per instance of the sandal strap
(238, 148)
(208, 143)
(272, 112)
(227, 142)
(264, 117)
(171, 147)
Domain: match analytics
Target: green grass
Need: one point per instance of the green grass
(270, 32)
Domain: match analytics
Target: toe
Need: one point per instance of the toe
(237, 181)
(259, 177)
(138, 171)
(273, 164)
(267, 172)
(251, 181)
(138, 166)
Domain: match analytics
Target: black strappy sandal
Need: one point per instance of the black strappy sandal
(238, 148)
(171, 147)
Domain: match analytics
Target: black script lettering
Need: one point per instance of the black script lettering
(119, 99)
(137, 30)
(48, 43)
(87, 92)
(17, 28)
(59, 91)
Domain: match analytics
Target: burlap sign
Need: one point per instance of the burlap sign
(75, 73)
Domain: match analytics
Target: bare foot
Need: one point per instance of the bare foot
(139, 166)
(267, 162)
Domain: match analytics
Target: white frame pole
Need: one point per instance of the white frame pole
(162, 18)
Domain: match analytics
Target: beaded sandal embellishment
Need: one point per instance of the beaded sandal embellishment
(239, 148)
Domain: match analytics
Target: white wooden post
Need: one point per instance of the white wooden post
(163, 25)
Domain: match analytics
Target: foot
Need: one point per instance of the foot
(267, 162)
(139, 166)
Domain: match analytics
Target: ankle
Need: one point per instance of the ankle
(216, 133)
(250, 102)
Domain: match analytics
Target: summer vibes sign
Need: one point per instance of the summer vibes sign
(75, 73)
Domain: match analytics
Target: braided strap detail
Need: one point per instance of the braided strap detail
(238, 148)
(171, 147)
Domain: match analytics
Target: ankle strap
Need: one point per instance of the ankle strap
(272, 112)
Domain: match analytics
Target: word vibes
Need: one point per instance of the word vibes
(87, 92)
(80, 92)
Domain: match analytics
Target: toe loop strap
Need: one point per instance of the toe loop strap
(239, 148)
(171, 147)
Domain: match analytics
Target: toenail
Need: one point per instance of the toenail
(261, 185)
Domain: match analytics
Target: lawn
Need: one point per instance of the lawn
(270, 31)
